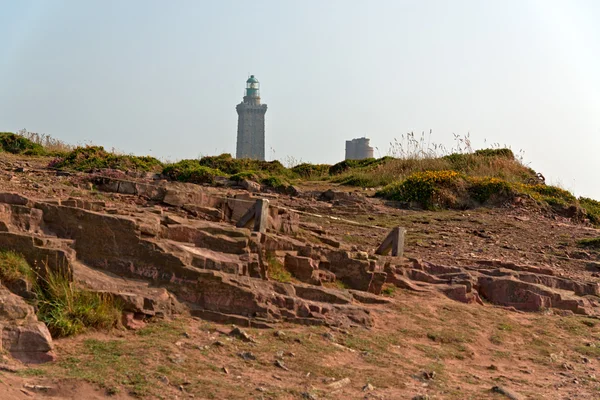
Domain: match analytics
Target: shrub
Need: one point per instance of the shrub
(17, 144)
(506, 153)
(482, 189)
(273, 182)
(190, 171)
(428, 189)
(229, 165)
(240, 176)
(548, 191)
(89, 158)
(592, 209)
(308, 171)
(346, 165)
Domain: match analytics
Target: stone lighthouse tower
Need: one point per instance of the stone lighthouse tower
(251, 123)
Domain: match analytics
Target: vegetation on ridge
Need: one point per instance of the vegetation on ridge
(418, 174)
(16, 144)
(91, 158)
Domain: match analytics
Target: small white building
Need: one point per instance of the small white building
(358, 149)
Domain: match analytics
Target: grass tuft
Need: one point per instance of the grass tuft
(64, 308)
(276, 270)
(14, 267)
(592, 243)
(67, 310)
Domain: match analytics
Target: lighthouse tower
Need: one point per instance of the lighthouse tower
(251, 123)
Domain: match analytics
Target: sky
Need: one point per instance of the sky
(162, 78)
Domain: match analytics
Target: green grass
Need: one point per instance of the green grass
(274, 182)
(276, 270)
(191, 171)
(67, 310)
(13, 267)
(592, 209)
(388, 291)
(90, 158)
(64, 308)
(16, 144)
(311, 171)
(427, 189)
(593, 243)
(110, 364)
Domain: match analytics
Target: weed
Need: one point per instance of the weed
(276, 270)
(388, 291)
(592, 243)
(32, 372)
(67, 310)
(13, 267)
(448, 336)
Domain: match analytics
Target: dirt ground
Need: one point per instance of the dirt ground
(422, 344)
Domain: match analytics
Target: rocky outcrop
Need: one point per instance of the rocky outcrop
(523, 287)
(206, 265)
(21, 334)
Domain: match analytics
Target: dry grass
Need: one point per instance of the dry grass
(49, 143)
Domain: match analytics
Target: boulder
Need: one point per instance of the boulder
(21, 334)
(250, 186)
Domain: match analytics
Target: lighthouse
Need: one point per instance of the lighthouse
(251, 123)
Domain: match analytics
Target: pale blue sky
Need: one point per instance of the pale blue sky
(163, 77)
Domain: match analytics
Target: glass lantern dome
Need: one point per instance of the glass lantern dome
(252, 87)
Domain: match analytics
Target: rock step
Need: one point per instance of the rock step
(224, 318)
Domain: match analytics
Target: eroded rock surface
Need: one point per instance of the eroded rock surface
(21, 334)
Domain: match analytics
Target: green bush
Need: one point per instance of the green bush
(308, 171)
(506, 153)
(592, 209)
(548, 191)
(424, 188)
(346, 165)
(190, 171)
(231, 166)
(16, 144)
(273, 182)
(483, 189)
(89, 158)
(240, 176)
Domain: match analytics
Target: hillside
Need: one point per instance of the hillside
(122, 277)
